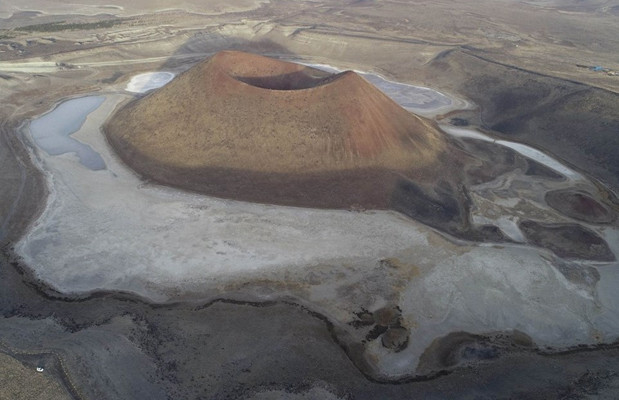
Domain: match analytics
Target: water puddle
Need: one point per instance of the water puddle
(52, 131)
(145, 82)
(524, 150)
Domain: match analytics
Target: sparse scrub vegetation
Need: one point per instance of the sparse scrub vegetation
(6, 34)
(64, 26)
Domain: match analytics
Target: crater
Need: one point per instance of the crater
(289, 81)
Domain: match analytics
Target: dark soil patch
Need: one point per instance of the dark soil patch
(579, 205)
(568, 240)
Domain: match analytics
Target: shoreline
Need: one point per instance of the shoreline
(42, 289)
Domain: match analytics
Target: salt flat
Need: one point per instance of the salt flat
(108, 229)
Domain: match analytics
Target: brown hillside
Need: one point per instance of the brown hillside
(248, 127)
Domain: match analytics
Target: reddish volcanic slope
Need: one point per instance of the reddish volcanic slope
(252, 128)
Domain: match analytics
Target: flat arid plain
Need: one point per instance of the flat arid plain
(280, 199)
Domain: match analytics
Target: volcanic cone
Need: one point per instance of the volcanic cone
(252, 128)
